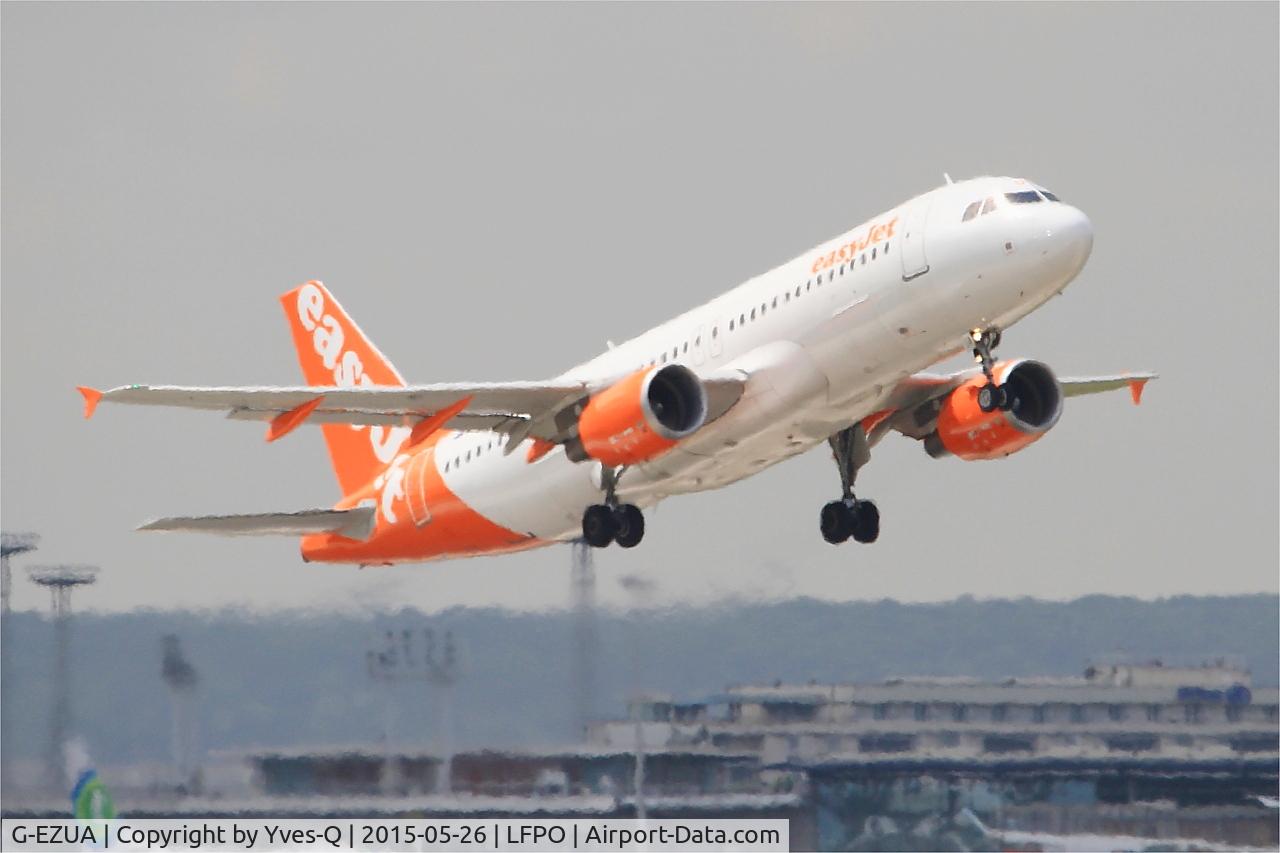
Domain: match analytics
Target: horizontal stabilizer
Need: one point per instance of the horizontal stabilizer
(355, 523)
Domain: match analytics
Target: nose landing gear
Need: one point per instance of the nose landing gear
(990, 396)
(849, 517)
(611, 521)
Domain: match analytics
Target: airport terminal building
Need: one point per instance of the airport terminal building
(1138, 750)
(1152, 711)
(1146, 750)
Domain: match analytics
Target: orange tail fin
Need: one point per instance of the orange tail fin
(333, 351)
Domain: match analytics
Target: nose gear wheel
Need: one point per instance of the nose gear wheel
(990, 396)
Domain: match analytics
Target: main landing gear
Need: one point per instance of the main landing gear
(611, 521)
(849, 517)
(990, 396)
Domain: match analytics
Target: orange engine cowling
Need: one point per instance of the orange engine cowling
(964, 430)
(640, 417)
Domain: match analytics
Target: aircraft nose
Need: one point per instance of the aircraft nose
(1071, 233)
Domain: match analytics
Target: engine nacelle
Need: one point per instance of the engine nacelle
(640, 417)
(964, 430)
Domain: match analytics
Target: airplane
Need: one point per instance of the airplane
(831, 346)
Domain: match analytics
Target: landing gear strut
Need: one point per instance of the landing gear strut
(990, 396)
(849, 517)
(611, 521)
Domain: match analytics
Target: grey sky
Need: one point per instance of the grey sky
(493, 191)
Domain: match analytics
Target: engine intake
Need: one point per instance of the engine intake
(640, 417)
(964, 430)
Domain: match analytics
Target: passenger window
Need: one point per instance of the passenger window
(715, 331)
(775, 302)
(685, 348)
(664, 358)
(971, 211)
(742, 319)
(988, 206)
(873, 253)
(797, 291)
(864, 259)
(831, 275)
(842, 269)
(886, 247)
(808, 285)
(753, 313)
(788, 299)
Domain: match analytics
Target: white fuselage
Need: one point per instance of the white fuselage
(822, 340)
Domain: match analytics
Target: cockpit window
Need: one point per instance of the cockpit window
(1050, 196)
(971, 211)
(1026, 197)
(989, 205)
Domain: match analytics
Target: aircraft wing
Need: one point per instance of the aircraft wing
(912, 407)
(519, 409)
(1097, 384)
(355, 523)
(488, 405)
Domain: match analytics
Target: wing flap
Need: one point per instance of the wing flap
(460, 421)
(354, 523)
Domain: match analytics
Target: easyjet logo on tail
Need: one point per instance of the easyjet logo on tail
(329, 340)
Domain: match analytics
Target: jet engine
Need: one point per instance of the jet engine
(640, 417)
(1034, 404)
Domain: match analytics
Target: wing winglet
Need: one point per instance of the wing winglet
(286, 422)
(91, 398)
(1135, 390)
